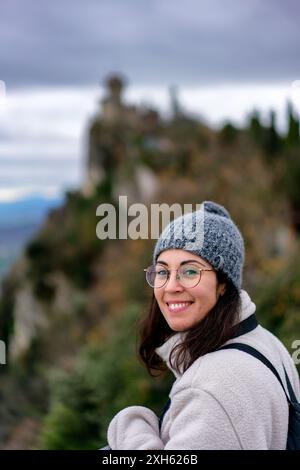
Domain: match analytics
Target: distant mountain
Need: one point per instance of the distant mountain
(26, 211)
(19, 220)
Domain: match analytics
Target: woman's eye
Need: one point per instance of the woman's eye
(190, 272)
(161, 272)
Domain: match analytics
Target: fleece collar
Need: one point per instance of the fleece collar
(247, 308)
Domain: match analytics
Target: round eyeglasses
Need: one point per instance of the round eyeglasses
(187, 275)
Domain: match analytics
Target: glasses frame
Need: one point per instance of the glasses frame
(177, 277)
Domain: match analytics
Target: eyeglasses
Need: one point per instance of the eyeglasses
(188, 275)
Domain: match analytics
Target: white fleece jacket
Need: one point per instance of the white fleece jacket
(224, 400)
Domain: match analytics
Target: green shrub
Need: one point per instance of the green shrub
(278, 303)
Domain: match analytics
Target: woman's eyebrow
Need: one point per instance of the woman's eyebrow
(192, 261)
(184, 262)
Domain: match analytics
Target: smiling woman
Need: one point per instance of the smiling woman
(199, 325)
(183, 291)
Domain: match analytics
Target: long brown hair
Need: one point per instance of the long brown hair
(209, 334)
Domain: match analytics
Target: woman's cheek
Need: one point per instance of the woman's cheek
(157, 295)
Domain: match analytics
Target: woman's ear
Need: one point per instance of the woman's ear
(221, 289)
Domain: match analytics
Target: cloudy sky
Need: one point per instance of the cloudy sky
(226, 57)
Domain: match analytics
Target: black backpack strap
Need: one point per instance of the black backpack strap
(246, 326)
(290, 388)
(253, 352)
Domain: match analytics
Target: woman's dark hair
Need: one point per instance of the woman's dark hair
(217, 327)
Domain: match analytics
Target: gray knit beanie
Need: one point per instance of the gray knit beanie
(210, 233)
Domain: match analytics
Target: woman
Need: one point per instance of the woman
(221, 398)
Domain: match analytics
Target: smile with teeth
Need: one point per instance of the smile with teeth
(178, 306)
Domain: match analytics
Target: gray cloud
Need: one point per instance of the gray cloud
(73, 42)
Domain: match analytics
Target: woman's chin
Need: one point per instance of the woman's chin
(178, 327)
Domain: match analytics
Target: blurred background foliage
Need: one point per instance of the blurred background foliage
(70, 306)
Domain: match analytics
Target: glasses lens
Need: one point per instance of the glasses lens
(156, 276)
(189, 275)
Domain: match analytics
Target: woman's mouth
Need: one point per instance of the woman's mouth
(178, 306)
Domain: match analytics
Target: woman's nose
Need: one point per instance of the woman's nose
(173, 282)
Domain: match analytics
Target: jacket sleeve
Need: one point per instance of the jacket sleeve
(197, 421)
(134, 428)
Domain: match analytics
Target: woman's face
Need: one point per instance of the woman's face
(185, 307)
